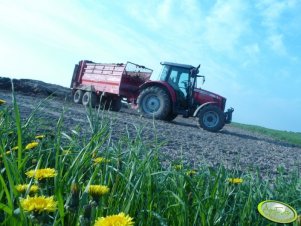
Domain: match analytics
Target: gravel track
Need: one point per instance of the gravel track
(183, 139)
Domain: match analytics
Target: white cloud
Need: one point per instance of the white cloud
(164, 9)
(272, 14)
(272, 10)
(225, 25)
(275, 42)
(252, 52)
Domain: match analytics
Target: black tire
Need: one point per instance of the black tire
(89, 98)
(78, 96)
(211, 118)
(115, 104)
(171, 117)
(154, 102)
(104, 103)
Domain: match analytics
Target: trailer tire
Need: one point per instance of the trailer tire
(78, 96)
(89, 98)
(211, 118)
(116, 104)
(154, 102)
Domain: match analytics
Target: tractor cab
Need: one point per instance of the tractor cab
(182, 78)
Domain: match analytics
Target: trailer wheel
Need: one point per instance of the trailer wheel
(154, 102)
(89, 98)
(171, 117)
(116, 104)
(211, 118)
(78, 96)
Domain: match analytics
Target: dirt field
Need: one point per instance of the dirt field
(183, 139)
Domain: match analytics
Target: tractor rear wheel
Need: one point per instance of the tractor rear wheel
(154, 102)
(211, 118)
(89, 98)
(78, 96)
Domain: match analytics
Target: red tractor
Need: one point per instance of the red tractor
(175, 93)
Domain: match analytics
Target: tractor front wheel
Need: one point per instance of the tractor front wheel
(211, 118)
(154, 102)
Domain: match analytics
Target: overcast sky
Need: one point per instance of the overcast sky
(250, 51)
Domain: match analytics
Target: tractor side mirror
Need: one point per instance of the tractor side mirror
(194, 71)
(202, 76)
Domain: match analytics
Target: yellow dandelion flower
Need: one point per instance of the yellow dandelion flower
(190, 172)
(98, 190)
(235, 180)
(39, 136)
(39, 204)
(23, 188)
(14, 148)
(41, 173)
(66, 152)
(2, 101)
(31, 145)
(7, 153)
(178, 167)
(10, 151)
(115, 220)
(100, 160)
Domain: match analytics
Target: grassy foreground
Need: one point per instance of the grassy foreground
(287, 136)
(67, 178)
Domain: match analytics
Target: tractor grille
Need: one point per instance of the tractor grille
(223, 103)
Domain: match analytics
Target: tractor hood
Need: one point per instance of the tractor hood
(203, 96)
(208, 93)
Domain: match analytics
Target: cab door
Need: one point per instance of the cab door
(179, 79)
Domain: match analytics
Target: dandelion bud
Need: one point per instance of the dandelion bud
(74, 200)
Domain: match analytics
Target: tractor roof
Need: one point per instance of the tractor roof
(177, 65)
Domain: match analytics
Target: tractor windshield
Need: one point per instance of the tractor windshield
(164, 73)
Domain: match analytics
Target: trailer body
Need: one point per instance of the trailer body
(117, 80)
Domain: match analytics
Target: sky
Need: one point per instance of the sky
(249, 51)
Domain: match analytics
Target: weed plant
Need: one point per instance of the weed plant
(138, 185)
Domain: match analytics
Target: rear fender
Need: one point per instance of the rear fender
(85, 88)
(163, 85)
(202, 106)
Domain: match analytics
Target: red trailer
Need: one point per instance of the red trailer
(175, 93)
(111, 82)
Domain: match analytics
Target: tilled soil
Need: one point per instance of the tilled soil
(182, 138)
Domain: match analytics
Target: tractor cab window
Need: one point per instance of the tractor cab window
(164, 73)
(179, 80)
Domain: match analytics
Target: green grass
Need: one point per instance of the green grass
(139, 186)
(287, 136)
